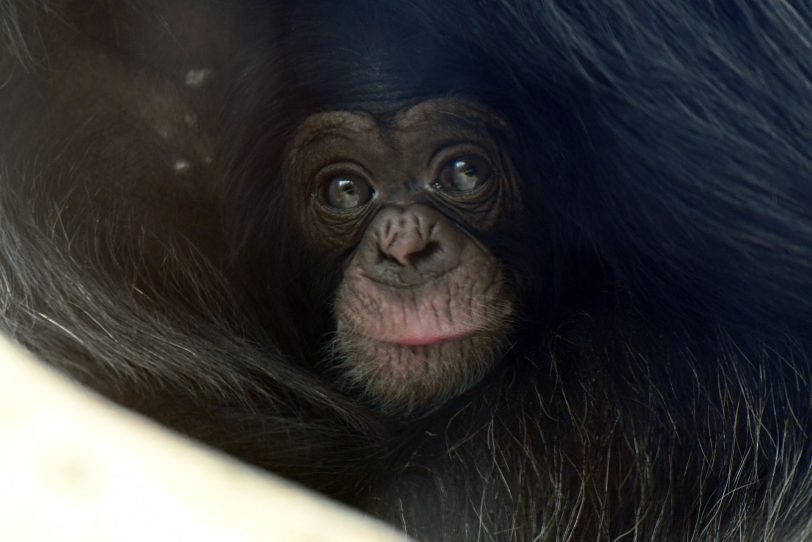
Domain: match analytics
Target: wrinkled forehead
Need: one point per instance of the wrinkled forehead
(448, 110)
(460, 113)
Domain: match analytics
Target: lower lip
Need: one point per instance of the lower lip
(428, 341)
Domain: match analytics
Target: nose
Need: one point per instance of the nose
(408, 246)
(406, 239)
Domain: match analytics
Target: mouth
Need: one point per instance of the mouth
(429, 339)
(421, 330)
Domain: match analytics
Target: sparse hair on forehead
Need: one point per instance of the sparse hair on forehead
(450, 110)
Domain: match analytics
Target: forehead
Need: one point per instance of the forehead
(461, 114)
(447, 110)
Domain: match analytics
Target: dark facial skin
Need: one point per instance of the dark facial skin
(423, 307)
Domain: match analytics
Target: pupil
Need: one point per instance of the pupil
(462, 175)
(464, 168)
(465, 175)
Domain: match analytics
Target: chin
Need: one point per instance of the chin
(408, 378)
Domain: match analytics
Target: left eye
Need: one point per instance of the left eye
(463, 174)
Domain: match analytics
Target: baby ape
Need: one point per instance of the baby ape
(516, 270)
(423, 305)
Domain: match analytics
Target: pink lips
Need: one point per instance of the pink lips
(419, 328)
(433, 317)
(426, 340)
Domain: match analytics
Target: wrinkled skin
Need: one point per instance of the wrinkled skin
(423, 308)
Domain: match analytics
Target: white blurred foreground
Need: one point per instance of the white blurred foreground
(74, 467)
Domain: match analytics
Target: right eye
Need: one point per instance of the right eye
(347, 192)
(463, 174)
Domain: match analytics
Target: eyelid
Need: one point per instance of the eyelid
(336, 166)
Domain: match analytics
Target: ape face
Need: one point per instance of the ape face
(423, 306)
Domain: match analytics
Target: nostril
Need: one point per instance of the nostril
(383, 257)
(427, 253)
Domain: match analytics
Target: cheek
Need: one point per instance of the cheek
(333, 237)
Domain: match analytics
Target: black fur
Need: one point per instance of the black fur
(659, 386)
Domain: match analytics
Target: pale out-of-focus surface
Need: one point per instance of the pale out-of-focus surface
(73, 467)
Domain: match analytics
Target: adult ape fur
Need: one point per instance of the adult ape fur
(657, 386)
